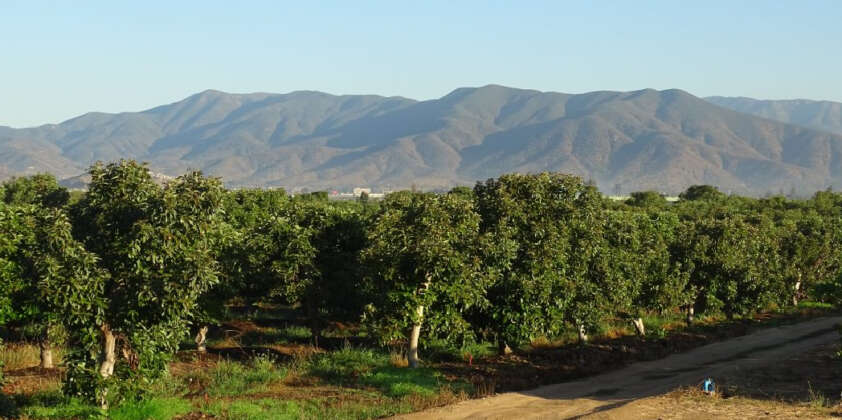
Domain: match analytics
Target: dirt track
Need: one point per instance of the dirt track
(604, 396)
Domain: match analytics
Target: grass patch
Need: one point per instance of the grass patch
(260, 409)
(151, 409)
(56, 406)
(814, 305)
(269, 335)
(230, 378)
(398, 382)
(63, 408)
(367, 368)
(346, 365)
(315, 408)
(439, 350)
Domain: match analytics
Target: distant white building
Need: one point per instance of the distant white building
(359, 191)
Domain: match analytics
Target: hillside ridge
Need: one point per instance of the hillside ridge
(624, 141)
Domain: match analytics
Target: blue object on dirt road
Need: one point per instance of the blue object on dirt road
(708, 386)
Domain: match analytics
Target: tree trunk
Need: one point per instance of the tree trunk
(691, 311)
(796, 291)
(109, 354)
(583, 336)
(412, 355)
(46, 352)
(201, 339)
(503, 348)
(315, 324)
(638, 326)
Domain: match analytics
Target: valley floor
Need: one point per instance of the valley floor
(773, 365)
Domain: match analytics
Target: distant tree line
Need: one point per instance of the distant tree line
(131, 267)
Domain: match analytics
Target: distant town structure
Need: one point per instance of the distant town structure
(671, 199)
(359, 191)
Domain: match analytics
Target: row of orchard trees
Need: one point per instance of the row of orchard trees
(528, 256)
(131, 267)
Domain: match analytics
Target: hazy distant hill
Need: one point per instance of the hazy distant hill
(625, 141)
(821, 115)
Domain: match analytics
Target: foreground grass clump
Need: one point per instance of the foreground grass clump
(151, 409)
(268, 336)
(57, 407)
(54, 405)
(230, 379)
(316, 408)
(368, 368)
(260, 409)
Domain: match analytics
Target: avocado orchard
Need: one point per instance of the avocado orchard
(134, 268)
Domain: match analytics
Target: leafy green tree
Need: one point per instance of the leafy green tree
(826, 203)
(332, 286)
(244, 210)
(463, 191)
(648, 199)
(541, 234)
(13, 229)
(701, 192)
(809, 250)
(27, 309)
(638, 254)
(422, 259)
(731, 264)
(155, 246)
(10, 271)
(41, 189)
(38, 258)
(303, 250)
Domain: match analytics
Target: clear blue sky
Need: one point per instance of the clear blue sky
(61, 59)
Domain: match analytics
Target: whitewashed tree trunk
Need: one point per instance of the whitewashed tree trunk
(46, 352)
(109, 359)
(412, 355)
(109, 354)
(639, 327)
(503, 348)
(583, 335)
(201, 339)
(691, 311)
(415, 334)
(796, 291)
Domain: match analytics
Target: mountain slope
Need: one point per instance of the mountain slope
(625, 141)
(820, 115)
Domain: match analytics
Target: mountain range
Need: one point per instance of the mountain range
(624, 141)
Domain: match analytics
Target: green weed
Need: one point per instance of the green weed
(817, 398)
(345, 365)
(290, 334)
(51, 407)
(367, 368)
(261, 409)
(398, 382)
(151, 409)
(230, 378)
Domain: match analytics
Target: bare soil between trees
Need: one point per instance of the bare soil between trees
(613, 394)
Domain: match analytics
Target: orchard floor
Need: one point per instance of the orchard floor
(785, 372)
(262, 369)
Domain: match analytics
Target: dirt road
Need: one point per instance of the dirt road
(603, 396)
